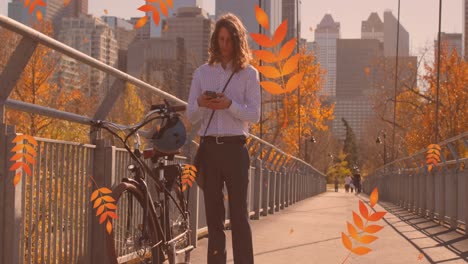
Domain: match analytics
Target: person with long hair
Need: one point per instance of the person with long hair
(224, 133)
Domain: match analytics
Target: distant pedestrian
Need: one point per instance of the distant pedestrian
(347, 183)
(351, 186)
(336, 184)
(357, 182)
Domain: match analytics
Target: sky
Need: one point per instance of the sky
(419, 17)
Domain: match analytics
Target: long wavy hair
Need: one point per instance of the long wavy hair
(241, 56)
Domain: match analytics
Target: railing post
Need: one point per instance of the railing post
(272, 192)
(257, 188)
(442, 175)
(278, 191)
(287, 200)
(266, 190)
(11, 205)
(103, 174)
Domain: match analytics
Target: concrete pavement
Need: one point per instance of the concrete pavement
(310, 232)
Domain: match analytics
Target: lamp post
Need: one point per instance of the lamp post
(313, 140)
(380, 141)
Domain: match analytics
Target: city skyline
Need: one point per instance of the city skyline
(422, 35)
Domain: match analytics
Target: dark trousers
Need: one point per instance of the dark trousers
(227, 163)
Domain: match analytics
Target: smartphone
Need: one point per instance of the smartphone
(210, 94)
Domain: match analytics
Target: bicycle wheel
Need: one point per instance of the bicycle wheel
(175, 224)
(128, 243)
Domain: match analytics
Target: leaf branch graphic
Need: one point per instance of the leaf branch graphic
(32, 5)
(188, 176)
(105, 205)
(164, 6)
(24, 157)
(280, 66)
(433, 156)
(361, 233)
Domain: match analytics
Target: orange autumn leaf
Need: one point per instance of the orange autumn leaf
(17, 178)
(147, 8)
(105, 11)
(163, 7)
(352, 231)
(280, 33)
(269, 71)
(17, 156)
(433, 151)
(346, 241)
(17, 165)
(18, 138)
(31, 7)
(169, 2)
(103, 217)
(97, 202)
(433, 156)
(291, 64)
(111, 214)
(27, 169)
(26, 3)
(367, 239)
(294, 82)
(29, 158)
(141, 22)
(31, 140)
(361, 250)
(108, 198)
(376, 216)
(156, 18)
(94, 195)
(111, 206)
(432, 161)
(434, 146)
(30, 150)
(272, 87)
(109, 227)
(100, 210)
(374, 197)
(262, 40)
(371, 229)
(266, 56)
(287, 49)
(17, 148)
(363, 210)
(358, 221)
(105, 190)
(66, 2)
(261, 17)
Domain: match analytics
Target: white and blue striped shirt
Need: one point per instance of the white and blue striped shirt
(243, 90)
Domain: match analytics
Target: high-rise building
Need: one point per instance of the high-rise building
(465, 29)
(390, 37)
(95, 38)
(160, 61)
(290, 12)
(451, 42)
(245, 10)
(356, 80)
(144, 32)
(156, 30)
(193, 25)
(326, 35)
(124, 34)
(373, 28)
(54, 11)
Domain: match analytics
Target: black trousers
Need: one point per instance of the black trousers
(227, 163)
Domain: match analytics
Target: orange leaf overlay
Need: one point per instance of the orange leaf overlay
(104, 204)
(261, 17)
(25, 156)
(153, 12)
(433, 156)
(31, 5)
(278, 70)
(363, 237)
(188, 176)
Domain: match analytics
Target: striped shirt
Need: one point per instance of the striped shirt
(243, 90)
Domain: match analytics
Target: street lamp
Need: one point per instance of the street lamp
(380, 141)
(313, 140)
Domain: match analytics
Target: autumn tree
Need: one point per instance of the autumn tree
(339, 168)
(280, 120)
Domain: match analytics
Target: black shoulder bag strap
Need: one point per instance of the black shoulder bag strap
(212, 113)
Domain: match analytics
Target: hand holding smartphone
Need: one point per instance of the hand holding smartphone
(210, 94)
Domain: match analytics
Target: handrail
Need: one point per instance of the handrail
(45, 40)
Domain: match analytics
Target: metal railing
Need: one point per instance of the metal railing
(47, 218)
(440, 194)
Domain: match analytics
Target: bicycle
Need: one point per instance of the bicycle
(151, 229)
